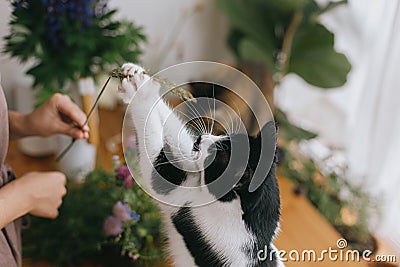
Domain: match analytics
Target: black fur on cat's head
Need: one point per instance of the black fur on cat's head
(238, 168)
(261, 207)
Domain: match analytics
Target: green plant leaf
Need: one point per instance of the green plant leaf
(259, 29)
(249, 50)
(288, 131)
(285, 6)
(315, 59)
(254, 22)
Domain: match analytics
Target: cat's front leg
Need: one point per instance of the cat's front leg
(159, 130)
(142, 93)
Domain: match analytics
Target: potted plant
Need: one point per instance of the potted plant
(70, 42)
(285, 37)
(271, 39)
(108, 220)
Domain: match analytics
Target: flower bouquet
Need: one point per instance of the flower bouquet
(68, 40)
(69, 44)
(108, 220)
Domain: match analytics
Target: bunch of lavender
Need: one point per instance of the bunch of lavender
(76, 13)
(78, 37)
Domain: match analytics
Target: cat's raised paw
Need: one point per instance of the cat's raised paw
(134, 77)
(135, 74)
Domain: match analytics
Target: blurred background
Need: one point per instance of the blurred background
(329, 70)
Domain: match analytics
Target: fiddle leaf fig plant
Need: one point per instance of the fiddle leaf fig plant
(286, 37)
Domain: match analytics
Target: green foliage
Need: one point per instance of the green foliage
(73, 51)
(290, 132)
(77, 235)
(286, 37)
(331, 193)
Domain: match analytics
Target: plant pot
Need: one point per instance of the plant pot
(81, 158)
(25, 103)
(37, 146)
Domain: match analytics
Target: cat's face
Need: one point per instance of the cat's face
(230, 159)
(205, 145)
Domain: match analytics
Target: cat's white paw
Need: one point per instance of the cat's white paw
(134, 77)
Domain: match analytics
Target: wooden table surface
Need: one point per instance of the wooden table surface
(302, 227)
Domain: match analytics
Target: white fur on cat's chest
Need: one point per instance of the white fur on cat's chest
(223, 228)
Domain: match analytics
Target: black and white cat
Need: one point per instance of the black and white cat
(178, 169)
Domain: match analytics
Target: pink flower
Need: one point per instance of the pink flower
(112, 226)
(122, 172)
(122, 211)
(128, 182)
(130, 141)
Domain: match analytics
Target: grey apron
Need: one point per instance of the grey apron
(10, 238)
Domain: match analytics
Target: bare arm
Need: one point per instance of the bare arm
(38, 193)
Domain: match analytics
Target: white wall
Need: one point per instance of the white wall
(201, 37)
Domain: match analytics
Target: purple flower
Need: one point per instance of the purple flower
(112, 226)
(122, 172)
(122, 211)
(128, 182)
(74, 12)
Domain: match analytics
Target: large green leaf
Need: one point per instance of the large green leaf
(250, 19)
(283, 6)
(249, 50)
(315, 59)
(259, 28)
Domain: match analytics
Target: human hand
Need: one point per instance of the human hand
(58, 115)
(43, 192)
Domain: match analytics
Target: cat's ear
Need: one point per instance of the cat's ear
(262, 154)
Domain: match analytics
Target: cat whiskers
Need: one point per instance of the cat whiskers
(198, 117)
(175, 161)
(198, 122)
(213, 119)
(198, 126)
(234, 129)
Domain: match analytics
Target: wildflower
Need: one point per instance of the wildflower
(75, 12)
(128, 182)
(122, 172)
(122, 211)
(135, 216)
(112, 226)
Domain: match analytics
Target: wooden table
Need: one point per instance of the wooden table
(302, 227)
